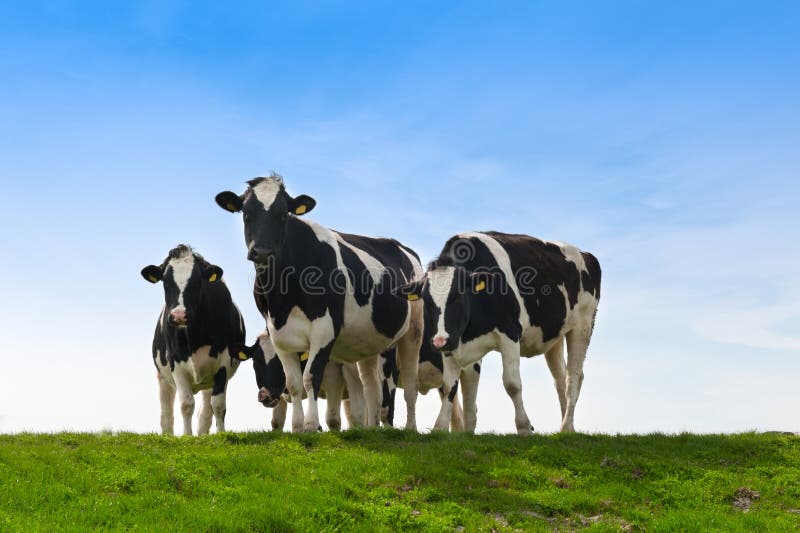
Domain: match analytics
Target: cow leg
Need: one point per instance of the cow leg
(558, 368)
(204, 422)
(294, 384)
(166, 393)
(577, 344)
(354, 407)
(333, 384)
(408, 364)
(470, 377)
(457, 415)
(368, 369)
(513, 384)
(219, 398)
(448, 392)
(279, 415)
(186, 396)
(312, 381)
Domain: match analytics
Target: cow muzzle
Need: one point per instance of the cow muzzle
(260, 255)
(178, 317)
(266, 399)
(440, 342)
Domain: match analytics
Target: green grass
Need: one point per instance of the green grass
(395, 480)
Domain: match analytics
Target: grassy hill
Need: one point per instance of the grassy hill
(390, 480)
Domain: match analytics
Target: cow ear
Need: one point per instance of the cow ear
(301, 205)
(212, 273)
(246, 352)
(229, 201)
(480, 281)
(152, 273)
(410, 291)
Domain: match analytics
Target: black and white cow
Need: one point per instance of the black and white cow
(340, 382)
(328, 294)
(198, 338)
(515, 294)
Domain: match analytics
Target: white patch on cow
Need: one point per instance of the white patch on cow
(267, 190)
(572, 254)
(374, 267)
(440, 282)
(182, 269)
(418, 272)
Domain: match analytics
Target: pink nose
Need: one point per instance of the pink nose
(178, 315)
(438, 342)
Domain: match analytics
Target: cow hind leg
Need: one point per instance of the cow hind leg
(368, 370)
(577, 344)
(166, 394)
(355, 409)
(204, 420)
(408, 365)
(470, 377)
(219, 398)
(186, 397)
(558, 369)
(333, 384)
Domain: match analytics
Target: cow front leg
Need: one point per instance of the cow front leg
(368, 369)
(294, 384)
(355, 408)
(166, 394)
(448, 392)
(204, 420)
(219, 398)
(279, 415)
(470, 377)
(312, 381)
(186, 397)
(513, 385)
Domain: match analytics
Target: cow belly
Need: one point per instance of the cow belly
(429, 377)
(355, 344)
(532, 342)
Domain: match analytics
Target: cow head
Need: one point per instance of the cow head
(266, 208)
(449, 292)
(185, 276)
(270, 377)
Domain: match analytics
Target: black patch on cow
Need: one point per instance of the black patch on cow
(426, 352)
(590, 279)
(390, 371)
(360, 278)
(318, 367)
(453, 391)
(477, 367)
(220, 379)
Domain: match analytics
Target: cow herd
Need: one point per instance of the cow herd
(352, 318)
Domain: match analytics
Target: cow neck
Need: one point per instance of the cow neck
(187, 340)
(280, 275)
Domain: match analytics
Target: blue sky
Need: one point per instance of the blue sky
(662, 137)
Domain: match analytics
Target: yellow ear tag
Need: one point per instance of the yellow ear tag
(230, 207)
(304, 356)
(300, 210)
(153, 279)
(213, 278)
(413, 297)
(480, 286)
(243, 356)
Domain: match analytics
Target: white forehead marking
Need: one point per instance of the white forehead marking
(440, 281)
(266, 191)
(181, 272)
